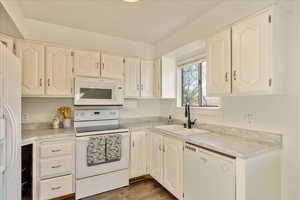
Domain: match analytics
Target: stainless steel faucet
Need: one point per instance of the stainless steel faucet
(188, 115)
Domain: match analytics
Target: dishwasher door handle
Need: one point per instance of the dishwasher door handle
(191, 148)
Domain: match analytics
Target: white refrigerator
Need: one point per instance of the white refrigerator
(10, 125)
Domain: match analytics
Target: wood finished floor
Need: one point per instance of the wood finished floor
(144, 190)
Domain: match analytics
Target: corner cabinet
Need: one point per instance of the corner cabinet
(59, 77)
(112, 66)
(138, 158)
(255, 63)
(33, 67)
(219, 65)
(87, 63)
(166, 162)
(165, 78)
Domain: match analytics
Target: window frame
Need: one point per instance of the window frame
(180, 88)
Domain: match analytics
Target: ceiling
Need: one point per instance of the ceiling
(147, 21)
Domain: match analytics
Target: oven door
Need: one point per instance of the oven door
(83, 170)
(90, 91)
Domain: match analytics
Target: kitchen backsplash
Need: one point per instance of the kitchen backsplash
(39, 110)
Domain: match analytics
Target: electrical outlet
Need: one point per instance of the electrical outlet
(249, 118)
(25, 117)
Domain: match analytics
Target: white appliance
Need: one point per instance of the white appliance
(92, 91)
(208, 175)
(91, 180)
(10, 125)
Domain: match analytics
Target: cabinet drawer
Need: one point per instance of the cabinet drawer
(56, 166)
(56, 187)
(56, 149)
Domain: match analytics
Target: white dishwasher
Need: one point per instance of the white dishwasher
(208, 175)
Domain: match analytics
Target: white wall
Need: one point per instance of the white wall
(77, 38)
(7, 26)
(14, 11)
(39, 110)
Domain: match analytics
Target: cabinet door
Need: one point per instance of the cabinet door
(219, 64)
(87, 63)
(33, 63)
(157, 78)
(138, 165)
(156, 157)
(112, 66)
(168, 78)
(132, 77)
(252, 55)
(173, 166)
(147, 75)
(59, 71)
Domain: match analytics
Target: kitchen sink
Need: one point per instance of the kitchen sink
(180, 130)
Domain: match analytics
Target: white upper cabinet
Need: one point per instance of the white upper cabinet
(258, 55)
(252, 54)
(219, 64)
(59, 78)
(32, 58)
(168, 78)
(112, 66)
(138, 163)
(147, 75)
(132, 77)
(173, 166)
(87, 63)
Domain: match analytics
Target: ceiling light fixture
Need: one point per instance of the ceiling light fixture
(131, 1)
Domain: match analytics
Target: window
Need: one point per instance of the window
(193, 86)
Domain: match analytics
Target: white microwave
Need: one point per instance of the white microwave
(92, 91)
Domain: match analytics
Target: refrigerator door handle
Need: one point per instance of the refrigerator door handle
(11, 151)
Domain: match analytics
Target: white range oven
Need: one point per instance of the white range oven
(96, 170)
(103, 92)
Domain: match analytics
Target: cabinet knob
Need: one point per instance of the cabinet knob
(41, 82)
(235, 75)
(48, 82)
(226, 77)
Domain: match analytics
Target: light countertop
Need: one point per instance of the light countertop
(234, 144)
(28, 136)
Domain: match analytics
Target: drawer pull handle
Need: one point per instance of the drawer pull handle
(56, 150)
(56, 166)
(56, 188)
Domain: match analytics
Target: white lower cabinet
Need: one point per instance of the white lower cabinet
(173, 166)
(57, 187)
(56, 168)
(166, 162)
(156, 157)
(138, 158)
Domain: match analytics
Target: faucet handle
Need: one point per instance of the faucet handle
(193, 122)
